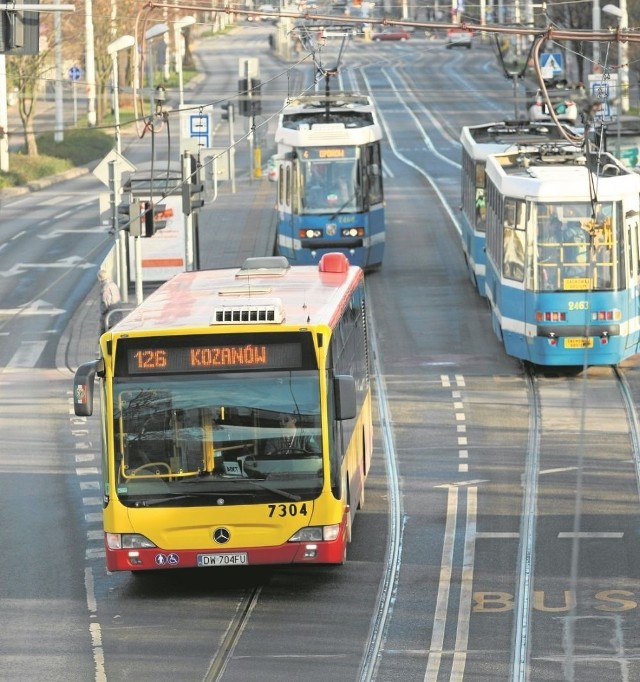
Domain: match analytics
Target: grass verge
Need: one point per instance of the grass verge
(78, 147)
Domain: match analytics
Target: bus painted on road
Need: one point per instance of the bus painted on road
(329, 173)
(236, 417)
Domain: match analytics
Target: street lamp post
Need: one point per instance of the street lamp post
(596, 27)
(178, 26)
(155, 31)
(122, 43)
(623, 59)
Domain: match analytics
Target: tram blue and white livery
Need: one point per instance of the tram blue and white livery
(562, 269)
(329, 173)
(478, 142)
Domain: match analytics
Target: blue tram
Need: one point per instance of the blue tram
(329, 173)
(478, 142)
(562, 268)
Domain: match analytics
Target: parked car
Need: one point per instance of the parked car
(267, 10)
(459, 37)
(391, 34)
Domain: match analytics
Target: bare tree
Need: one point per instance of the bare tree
(26, 73)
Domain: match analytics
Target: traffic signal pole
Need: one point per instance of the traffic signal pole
(188, 219)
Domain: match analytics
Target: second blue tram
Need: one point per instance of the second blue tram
(562, 272)
(478, 142)
(329, 172)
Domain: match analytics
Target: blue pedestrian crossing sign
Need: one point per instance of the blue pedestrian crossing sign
(552, 64)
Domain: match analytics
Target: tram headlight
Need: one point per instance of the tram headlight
(309, 233)
(353, 232)
(316, 534)
(127, 541)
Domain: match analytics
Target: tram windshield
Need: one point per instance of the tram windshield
(246, 436)
(329, 186)
(577, 248)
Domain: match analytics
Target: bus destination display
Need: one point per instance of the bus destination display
(211, 358)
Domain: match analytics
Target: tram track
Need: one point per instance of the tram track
(556, 402)
(234, 632)
(566, 455)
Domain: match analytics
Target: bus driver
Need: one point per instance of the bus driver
(292, 439)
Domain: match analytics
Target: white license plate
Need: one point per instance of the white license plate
(237, 559)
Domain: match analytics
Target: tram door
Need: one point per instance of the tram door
(284, 206)
(632, 237)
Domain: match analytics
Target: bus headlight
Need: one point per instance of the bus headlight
(127, 541)
(316, 534)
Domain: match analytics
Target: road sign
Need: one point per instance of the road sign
(605, 92)
(552, 64)
(101, 171)
(75, 73)
(196, 129)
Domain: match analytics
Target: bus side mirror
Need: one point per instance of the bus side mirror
(83, 384)
(344, 390)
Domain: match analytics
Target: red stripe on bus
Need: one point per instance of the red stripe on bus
(162, 262)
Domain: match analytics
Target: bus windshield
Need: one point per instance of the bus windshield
(253, 436)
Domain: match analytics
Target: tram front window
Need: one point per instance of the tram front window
(576, 250)
(329, 186)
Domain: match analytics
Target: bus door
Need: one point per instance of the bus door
(285, 205)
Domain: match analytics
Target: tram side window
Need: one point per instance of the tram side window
(549, 248)
(606, 248)
(493, 224)
(513, 250)
(287, 185)
(481, 204)
(374, 174)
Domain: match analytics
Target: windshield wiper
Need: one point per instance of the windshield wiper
(283, 493)
(206, 493)
(339, 211)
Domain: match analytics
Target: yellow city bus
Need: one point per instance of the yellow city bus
(236, 417)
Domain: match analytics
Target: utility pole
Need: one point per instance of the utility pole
(90, 65)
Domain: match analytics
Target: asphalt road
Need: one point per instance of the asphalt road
(433, 584)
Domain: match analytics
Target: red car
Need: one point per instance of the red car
(391, 34)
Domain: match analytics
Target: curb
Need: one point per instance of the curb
(43, 183)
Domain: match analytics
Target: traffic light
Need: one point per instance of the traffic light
(155, 217)
(249, 96)
(255, 102)
(129, 215)
(19, 32)
(192, 196)
(192, 186)
(227, 112)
